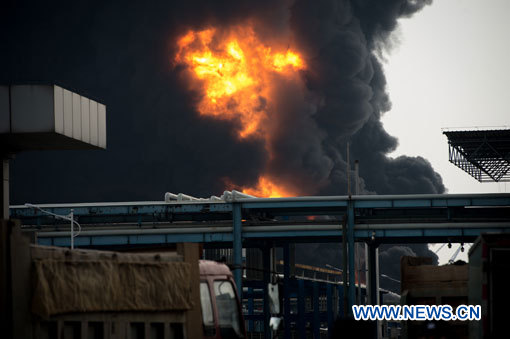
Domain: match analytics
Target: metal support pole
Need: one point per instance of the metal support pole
(267, 279)
(357, 245)
(348, 170)
(350, 240)
(5, 280)
(373, 279)
(71, 215)
(301, 325)
(250, 308)
(272, 256)
(345, 269)
(373, 274)
(286, 289)
(6, 302)
(316, 315)
(342, 301)
(357, 269)
(365, 275)
(4, 211)
(377, 294)
(331, 314)
(356, 177)
(237, 246)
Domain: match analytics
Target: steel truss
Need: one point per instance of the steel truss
(485, 155)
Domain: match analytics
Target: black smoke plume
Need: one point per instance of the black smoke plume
(120, 52)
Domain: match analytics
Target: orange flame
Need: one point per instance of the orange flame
(268, 189)
(234, 71)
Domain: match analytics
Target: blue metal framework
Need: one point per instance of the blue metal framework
(325, 298)
(386, 219)
(250, 222)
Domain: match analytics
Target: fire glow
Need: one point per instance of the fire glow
(234, 72)
(267, 188)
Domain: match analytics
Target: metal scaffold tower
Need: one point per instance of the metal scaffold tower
(483, 154)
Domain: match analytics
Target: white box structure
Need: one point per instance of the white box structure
(36, 117)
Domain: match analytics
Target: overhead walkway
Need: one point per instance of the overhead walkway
(239, 221)
(385, 219)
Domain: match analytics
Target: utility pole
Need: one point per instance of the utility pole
(344, 241)
(4, 213)
(357, 246)
(5, 252)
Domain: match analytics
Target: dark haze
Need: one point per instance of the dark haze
(120, 54)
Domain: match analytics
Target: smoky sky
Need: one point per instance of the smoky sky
(120, 54)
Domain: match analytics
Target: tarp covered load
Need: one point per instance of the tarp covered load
(419, 274)
(109, 283)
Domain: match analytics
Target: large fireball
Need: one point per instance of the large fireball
(235, 72)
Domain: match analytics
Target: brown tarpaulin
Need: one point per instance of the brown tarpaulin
(64, 286)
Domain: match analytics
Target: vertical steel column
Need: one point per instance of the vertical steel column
(267, 279)
(4, 186)
(356, 246)
(301, 309)
(341, 298)
(373, 280)
(329, 307)
(237, 246)
(250, 308)
(6, 303)
(286, 289)
(350, 240)
(345, 268)
(373, 273)
(316, 316)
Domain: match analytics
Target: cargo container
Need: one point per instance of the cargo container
(84, 293)
(489, 264)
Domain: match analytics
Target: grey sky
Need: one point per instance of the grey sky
(449, 68)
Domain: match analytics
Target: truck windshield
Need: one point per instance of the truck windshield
(228, 310)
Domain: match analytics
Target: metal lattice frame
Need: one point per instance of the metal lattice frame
(485, 155)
